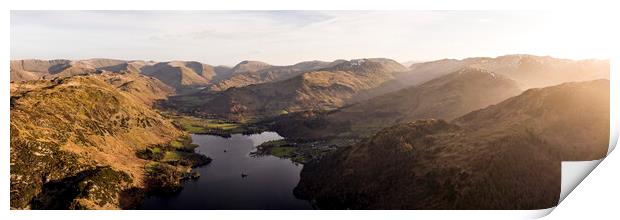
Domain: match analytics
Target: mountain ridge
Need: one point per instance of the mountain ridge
(446, 97)
(505, 156)
(321, 89)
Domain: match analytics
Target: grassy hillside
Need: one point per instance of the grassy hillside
(146, 89)
(74, 142)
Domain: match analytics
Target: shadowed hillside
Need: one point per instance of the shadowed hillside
(446, 97)
(505, 156)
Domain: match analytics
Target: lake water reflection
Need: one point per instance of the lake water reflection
(268, 185)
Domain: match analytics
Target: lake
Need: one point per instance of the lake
(268, 185)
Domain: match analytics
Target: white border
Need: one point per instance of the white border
(575, 6)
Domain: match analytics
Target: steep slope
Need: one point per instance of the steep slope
(146, 89)
(74, 141)
(221, 73)
(315, 65)
(528, 70)
(24, 70)
(179, 74)
(254, 72)
(317, 90)
(133, 66)
(176, 74)
(22, 75)
(249, 66)
(97, 63)
(367, 66)
(445, 98)
(505, 156)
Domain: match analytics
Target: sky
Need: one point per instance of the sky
(288, 37)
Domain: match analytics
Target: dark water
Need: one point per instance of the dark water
(269, 184)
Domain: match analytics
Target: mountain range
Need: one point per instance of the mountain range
(505, 156)
(476, 133)
(446, 97)
(529, 71)
(325, 88)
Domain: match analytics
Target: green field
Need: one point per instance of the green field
(282, 152)
(201, 125)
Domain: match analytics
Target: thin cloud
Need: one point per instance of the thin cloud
(284, 37)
